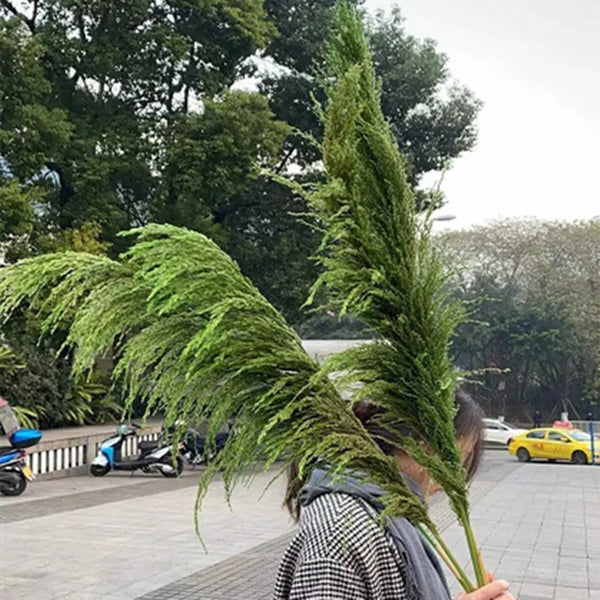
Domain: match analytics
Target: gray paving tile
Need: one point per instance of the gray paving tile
(252, 574)
(570, 593)
(539, 527)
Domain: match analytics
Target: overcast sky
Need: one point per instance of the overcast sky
(536, 65)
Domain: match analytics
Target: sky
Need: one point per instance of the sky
(536, 66)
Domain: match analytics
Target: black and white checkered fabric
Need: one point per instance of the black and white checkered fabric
(341, 551)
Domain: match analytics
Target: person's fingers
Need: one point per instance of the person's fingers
(490, 577)
(495, 590)
(492, 591)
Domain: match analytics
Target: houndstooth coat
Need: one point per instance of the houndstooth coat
(341, 552)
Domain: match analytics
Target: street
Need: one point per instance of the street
(124, 537)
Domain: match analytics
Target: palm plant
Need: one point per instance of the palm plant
(27, 416)
(191, 335)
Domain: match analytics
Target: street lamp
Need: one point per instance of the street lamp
(444, 218)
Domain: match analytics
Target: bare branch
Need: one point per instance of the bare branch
(35, 13)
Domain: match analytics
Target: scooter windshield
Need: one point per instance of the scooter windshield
(8, 420)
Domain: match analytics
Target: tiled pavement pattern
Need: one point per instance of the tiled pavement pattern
(539, 525)
(126, 546)
(21, 511)
(540, 529)
(251, 575)
(248, 576)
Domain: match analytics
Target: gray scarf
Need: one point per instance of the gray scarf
(423, 575)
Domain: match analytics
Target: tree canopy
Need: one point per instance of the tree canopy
(532, 288)
(117, 113)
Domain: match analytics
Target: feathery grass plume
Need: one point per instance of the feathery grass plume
(191, 335)
(379, 265)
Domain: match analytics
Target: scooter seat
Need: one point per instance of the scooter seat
(7, 450)
(143, 446)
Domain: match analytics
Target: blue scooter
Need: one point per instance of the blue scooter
(14, 472)
(153, 457)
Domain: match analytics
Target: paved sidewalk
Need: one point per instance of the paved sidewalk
(540, 529)
(252, 574)
(129, 538)
(120, 538)
(539, 526)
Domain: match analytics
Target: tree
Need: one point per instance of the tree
(431, 128)
(532, 286)
(116, 113)
(211, 162)
(92, 89)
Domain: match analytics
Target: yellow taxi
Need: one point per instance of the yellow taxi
(554, 444)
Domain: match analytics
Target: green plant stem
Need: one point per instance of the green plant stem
(478, 566)
(438, 544)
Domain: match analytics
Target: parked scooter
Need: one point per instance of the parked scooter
(193, 445)
(14, 472)
(153, 456)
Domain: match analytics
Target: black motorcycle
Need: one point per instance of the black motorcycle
(194, 448)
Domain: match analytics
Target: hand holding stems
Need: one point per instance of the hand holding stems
(497, 590)
(494, 590)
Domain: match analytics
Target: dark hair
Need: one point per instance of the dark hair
(468, 424)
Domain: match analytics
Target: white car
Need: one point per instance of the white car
(499, 433)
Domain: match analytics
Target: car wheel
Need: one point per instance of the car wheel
(579, 458)
(523, 455)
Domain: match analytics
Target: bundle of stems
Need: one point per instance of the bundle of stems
(191, 336)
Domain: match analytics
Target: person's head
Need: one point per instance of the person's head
(468, 426)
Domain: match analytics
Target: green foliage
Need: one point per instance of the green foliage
(27, 417)
(432, 120)
(212, 159)
(193, 336)
(92, 91)
(8, 362)
(431, 128)
(120, 113)
(532, 288)
(89, 402)
(16, 211)
(37, 379)
(380, 266)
